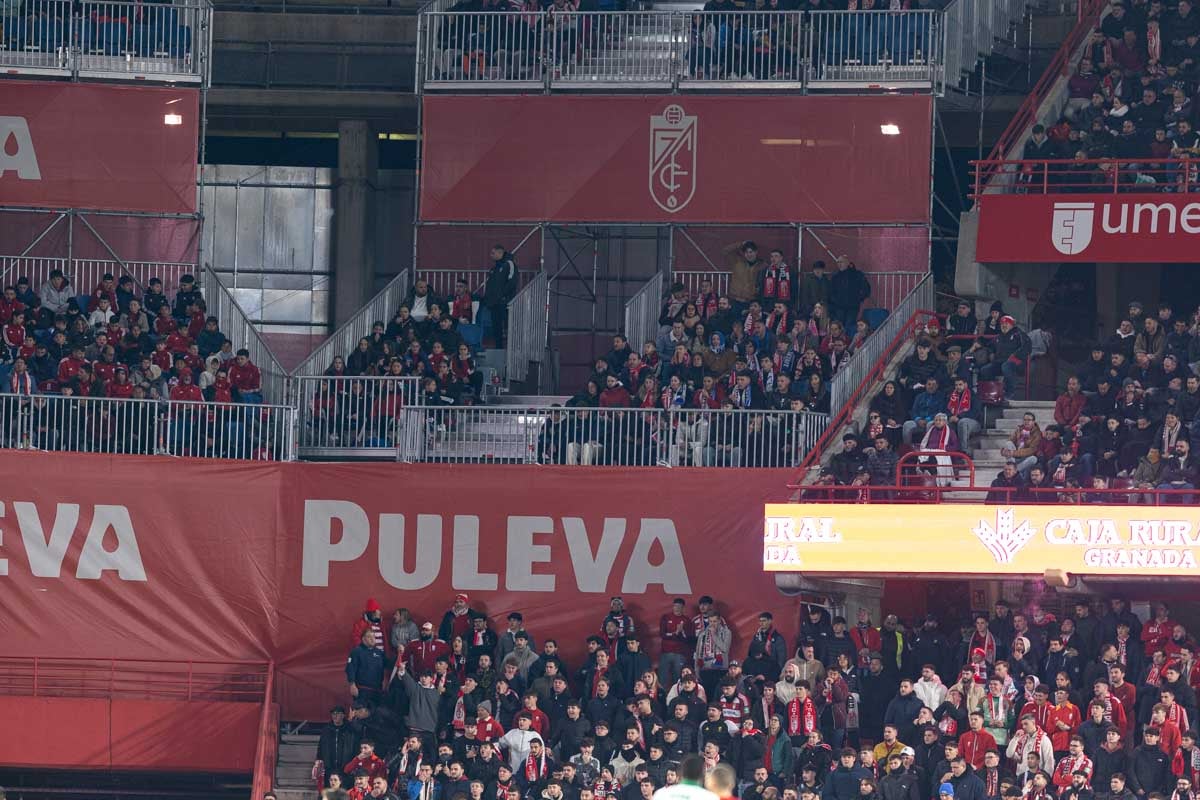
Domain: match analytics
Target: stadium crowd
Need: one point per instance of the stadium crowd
(1016, 703)
(1124, 421)
(1131, 103)
(62, 348)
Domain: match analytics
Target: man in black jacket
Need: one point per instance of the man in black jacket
(338, 744)
(1012, 348)
(899, 783)
(1150, 767)
(848, 288)
(501, 287)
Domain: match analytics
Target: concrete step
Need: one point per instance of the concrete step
(294, 774)
(297, 793)
(1009, 425)
(297, 753)
(301, 738)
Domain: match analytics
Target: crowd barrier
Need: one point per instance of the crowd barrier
(556, 49)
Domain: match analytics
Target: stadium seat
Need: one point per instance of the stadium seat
(874, 317)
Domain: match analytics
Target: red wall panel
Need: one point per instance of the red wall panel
(75, 733)
(200, 737)
(53, 732)
(98, 146)
(746, 159)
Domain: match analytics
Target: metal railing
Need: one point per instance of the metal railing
(888, 49)
(380, 308)
(669, 49)
(111, 40)
(239, 330)
(641, 313)
(363, 413)
(852, 374)
(84, 274)
(1086, 176)
(358, 66)
(913, 488)
(972, 29)
(64, 423)
(528, 328)
(887, 288)
(751, 46)
(610, 436)
(134, 679)
(442, 282)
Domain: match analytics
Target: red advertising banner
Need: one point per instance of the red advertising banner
(692, 158)
(180, 559)
(96, 146)
(1151, 228)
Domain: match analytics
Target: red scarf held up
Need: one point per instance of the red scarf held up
(801, 718)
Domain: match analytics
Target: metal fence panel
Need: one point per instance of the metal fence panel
(527, 328)
(625, 437)
(107, 39)
(848, 378)
(238, 328)
(736, 46)
(482, 48)
(362, 413)
(641, 313)
(85, 273)
(443, 282)
(881, 49)
(888, 289)
(380, 308)
(61, 423)
(35, 36)
(607, 47)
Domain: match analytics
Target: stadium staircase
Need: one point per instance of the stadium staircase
(986, 452)
(293, 771)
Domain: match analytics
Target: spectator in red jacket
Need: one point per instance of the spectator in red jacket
(371, 619)
(866, 638)
(246, 377)
(367, 760)
(185, 391)
(677, 643)
(615, 395)
(421, 654)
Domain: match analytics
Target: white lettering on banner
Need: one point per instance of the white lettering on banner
(16, 150)
(529, 542)
(428, 559)
(802, 530)
(46, 555)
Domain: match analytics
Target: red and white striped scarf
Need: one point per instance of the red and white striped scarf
(801, 717)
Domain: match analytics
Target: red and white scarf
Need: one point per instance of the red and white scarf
(1122, 653)
(1154, 43)
(1072, 764)
(995, 711)
(1023, 740)
(460, 712)
(960, 402)
(535, 768)
(801, 717)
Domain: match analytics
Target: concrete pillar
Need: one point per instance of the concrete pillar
(354, 232)
(1109, 302)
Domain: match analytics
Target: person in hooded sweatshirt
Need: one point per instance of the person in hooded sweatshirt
(371, 619)
(516, 742)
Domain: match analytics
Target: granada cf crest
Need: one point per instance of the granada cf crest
(672, 158)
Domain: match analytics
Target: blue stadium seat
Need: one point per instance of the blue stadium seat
(874, 317)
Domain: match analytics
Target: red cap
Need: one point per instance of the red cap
(1008, 319)
(372, 605)
(460, 596)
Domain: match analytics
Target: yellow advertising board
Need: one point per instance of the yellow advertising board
(953, 539)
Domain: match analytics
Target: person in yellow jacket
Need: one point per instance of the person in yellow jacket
(746, 270)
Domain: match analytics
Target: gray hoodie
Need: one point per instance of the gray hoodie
(422, 704)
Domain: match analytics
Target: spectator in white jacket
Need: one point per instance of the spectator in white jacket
(929, 688)
(712, 652)
(516, 742)
(56, 293)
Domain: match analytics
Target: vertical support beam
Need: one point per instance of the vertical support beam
(354, 261)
